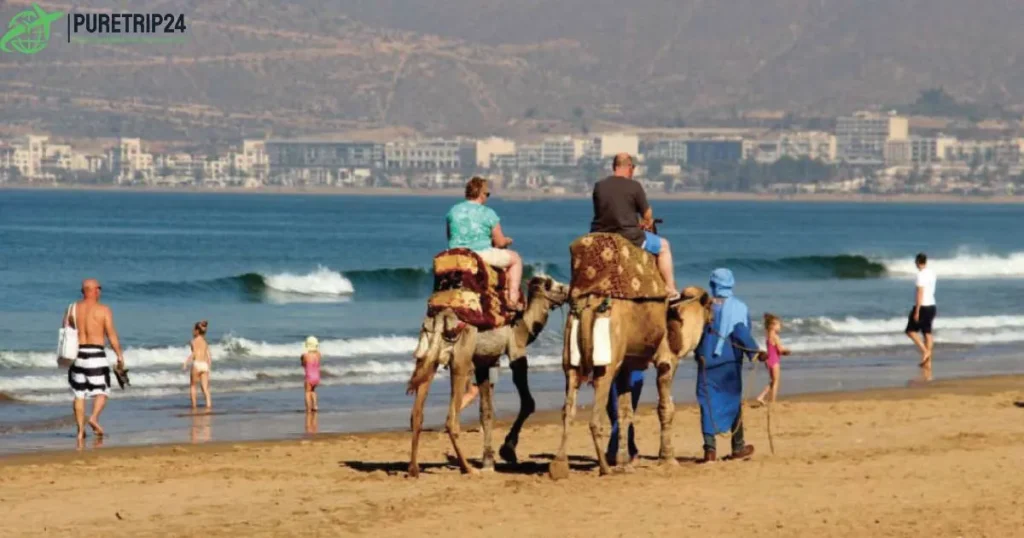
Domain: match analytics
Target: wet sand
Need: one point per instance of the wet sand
(940, 460)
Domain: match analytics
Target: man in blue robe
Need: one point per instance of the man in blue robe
(724, 344)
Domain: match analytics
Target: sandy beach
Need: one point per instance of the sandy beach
(541, 195)
(941, 460)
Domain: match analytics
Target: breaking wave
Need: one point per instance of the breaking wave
(822, 334)
(824, 267)
(230, 349)
(321, 284)
(964, 265)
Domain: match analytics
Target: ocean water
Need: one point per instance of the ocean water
(268, 270)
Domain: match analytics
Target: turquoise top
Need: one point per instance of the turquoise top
(470, 225)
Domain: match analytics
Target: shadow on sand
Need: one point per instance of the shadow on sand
(576, 463)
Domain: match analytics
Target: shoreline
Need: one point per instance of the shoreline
(542, 417)
(530, 195)
(936, 460)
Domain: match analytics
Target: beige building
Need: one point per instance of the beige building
(861, 138)
(488, 148)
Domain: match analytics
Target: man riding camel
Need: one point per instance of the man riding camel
(620, 206)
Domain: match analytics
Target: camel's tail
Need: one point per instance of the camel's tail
(435, 344)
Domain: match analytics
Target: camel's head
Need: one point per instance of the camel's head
(548, 289)
(687, 320)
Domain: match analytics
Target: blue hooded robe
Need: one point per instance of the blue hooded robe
(719, 380)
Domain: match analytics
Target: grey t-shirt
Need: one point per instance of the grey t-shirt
(618, 204)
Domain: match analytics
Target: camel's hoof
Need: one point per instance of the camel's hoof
(624, 469)
(414, 470)
(605, 470)
(558, 469)
(668, 462)
(471, 471)
(508, 453)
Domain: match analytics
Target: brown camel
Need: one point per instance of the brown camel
(640, 332)
(444, 340)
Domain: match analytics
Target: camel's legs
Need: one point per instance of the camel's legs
(603, 378)
(666, 409)
(559, 467)
(417, 419)
(625, 408)
(483, 381)
(526, 408)
(461, 368)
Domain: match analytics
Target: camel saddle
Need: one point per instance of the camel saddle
(609, 265)
(472, 289)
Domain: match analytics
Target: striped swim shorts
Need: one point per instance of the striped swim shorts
(89, 375)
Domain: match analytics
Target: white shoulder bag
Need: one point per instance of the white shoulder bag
(67, 339)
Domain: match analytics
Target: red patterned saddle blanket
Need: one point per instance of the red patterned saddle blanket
(609, 265)
(473, 290)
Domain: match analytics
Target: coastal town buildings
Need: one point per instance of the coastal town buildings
(861, 138)
(867, 150)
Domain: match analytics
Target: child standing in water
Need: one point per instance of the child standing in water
(201, 362)
(772, 327)
(311, 364)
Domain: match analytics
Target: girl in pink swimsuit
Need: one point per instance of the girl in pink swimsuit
(772, 326)
(311, 364)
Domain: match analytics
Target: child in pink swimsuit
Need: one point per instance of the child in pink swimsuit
(311, 364)
(772, 326)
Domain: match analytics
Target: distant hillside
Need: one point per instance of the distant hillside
(473, 66)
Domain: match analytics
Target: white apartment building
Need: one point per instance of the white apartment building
(562, 151)
(430, 154)
(917, 150)
(1005, 151)
(667, 149)
(253, 159)
(26, 154)
(613, 144)
(770, 148)
(861, 138)
(529, 155)
(126, 161)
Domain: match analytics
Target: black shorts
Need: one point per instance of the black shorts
(924, 323)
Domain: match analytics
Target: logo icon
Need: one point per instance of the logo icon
(29, 31)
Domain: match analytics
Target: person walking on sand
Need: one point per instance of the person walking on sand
(89, 374)
(201, 363)
(772, 327)
(922, 315)
(310, 361)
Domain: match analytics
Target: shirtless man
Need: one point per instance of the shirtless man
(89, 375)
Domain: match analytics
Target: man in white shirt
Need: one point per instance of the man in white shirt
(923, 314)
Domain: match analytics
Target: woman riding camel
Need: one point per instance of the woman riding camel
(473, 225)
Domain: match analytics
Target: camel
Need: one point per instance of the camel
(445, 340)
(640, 332)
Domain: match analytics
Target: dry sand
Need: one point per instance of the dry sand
(943, 460)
